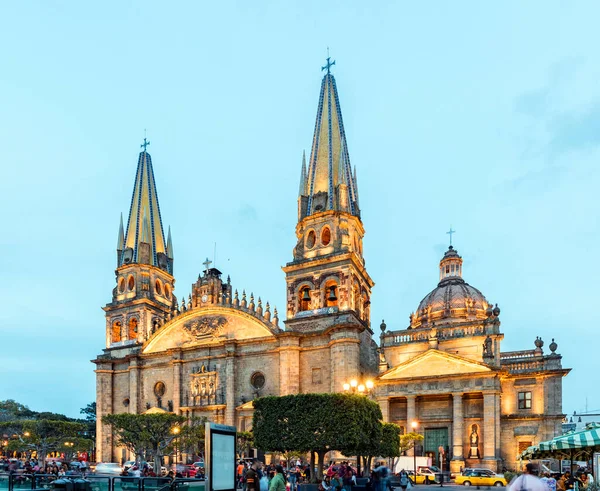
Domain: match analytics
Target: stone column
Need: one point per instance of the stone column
(230, 385)
(411, 415)
(490, 401)
(458, 426)
(345, 357)
(104, 405)
(384, 404)
(289, 366)
(134, 383)
(177, 382)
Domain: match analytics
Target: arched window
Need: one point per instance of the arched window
(325, 236)
(131, 283)
(311, 239)
(121, 285)
(132, 328)
(304, 299)
(116, 332)
(158, 287)
(168, 291)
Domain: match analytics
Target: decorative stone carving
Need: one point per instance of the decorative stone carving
(206, 325)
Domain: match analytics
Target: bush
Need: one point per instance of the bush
(510, 475)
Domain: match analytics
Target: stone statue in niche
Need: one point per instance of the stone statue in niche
(487, 348)
(474, 443)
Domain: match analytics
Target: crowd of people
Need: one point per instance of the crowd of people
(254, 476)
(582, 480)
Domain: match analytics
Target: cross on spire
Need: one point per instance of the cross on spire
(146, 142)
(329, 63)
(206, 264)
(450, 232)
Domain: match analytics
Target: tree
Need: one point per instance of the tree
(191, 437)
(42, 436)
(245, 439)
(145, 432)
(315, 423)
(89, 412)
(409, 440)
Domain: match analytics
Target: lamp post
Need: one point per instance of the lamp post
(414, 425)
(355, 386)
(176, 431)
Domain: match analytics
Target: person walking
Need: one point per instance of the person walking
(278, 481)
(252, 477)
(527, 481)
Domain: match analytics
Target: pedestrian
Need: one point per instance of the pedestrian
(549, 481)
(404, 481)
(349, 479)
(565, 482)
(252, 477)
(278, 481)
(336, 482)
(527, 481)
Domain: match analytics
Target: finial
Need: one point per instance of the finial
(244, 303)
(251, 304)
(236, 299)
(206, 265)
(383, 325)
(450, 232)
(329, 63)
(553, 346)
(146, 142)
(189, 305)
(275, 317)
(183, 309)
(228, 280)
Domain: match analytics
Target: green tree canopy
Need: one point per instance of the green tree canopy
(42, 436)
(140, 433)
(316, 423)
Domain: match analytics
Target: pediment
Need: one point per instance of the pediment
(207, 326)
(433, 363)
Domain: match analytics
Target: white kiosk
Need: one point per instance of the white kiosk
(220, 444)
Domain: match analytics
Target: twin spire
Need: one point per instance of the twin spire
(143, 241)
(328, 183)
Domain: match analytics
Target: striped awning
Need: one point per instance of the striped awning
(586, 439)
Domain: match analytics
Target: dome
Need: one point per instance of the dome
(453, 300)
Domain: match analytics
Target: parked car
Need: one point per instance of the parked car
(185, 470)
(481, 478)
(199, 464)
(111, 468)
(424, 476)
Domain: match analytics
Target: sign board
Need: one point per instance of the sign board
(220, 443)
(596, 464)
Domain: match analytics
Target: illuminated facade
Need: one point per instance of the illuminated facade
(212, 352)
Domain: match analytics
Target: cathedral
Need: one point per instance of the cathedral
(211, 354)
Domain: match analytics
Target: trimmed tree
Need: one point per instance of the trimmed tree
(315, 423)
(140, 433)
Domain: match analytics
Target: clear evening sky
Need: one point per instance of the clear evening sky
(480, 115)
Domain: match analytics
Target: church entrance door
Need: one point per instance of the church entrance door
(434, 439)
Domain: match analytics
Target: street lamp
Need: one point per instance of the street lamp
(176, 431)
(355, 386)
(414, 425)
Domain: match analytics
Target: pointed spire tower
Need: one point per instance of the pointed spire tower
(144, 293)
(328, 184)
(327, 275)
(145, 239)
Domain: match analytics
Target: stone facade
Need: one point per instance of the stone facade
(212, 353)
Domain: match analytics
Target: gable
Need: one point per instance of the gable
(433, 363)
(207, 326)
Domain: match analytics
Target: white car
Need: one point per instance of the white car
(110, 468)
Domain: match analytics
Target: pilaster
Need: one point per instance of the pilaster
(490, 403)
(384, 404)
(104, 406)
(458, 425)
(134, 382)
(230, 385)
(177, 381)
(289, 366)
(411, 415)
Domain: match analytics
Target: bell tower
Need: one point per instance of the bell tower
(143, 297)
(327, 275)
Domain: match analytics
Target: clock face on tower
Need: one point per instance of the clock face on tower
(204, 298)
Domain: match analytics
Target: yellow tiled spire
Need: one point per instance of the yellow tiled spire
(144, 225)
(329, 165)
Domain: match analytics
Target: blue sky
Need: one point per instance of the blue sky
(483, 115)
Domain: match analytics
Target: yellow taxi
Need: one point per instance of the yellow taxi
(480, 478)
(423, 477)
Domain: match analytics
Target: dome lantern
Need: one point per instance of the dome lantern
(451, 265)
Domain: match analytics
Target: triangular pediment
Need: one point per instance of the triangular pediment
(433, 363)
(208, 326)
